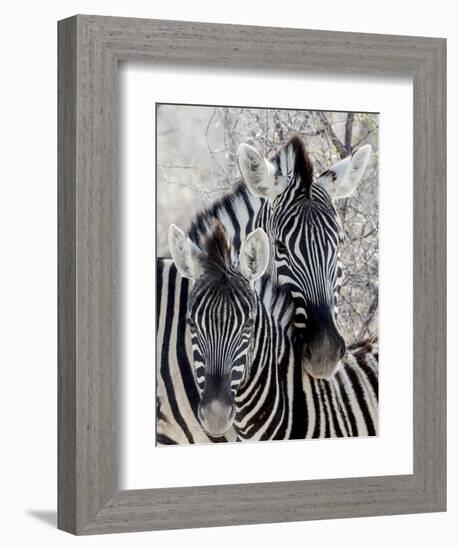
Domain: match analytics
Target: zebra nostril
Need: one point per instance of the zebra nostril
(308, 353)
(342, 351)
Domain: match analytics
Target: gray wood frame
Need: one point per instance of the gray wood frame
(90, 49)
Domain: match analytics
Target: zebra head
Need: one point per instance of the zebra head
(221, 316)
(305, 229)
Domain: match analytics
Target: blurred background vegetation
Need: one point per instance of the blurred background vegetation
(197, 164)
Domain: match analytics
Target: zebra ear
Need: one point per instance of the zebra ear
(254, 255)
(342, 179)
(257, 172)
(184, 252)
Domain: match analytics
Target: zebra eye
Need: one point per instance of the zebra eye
(191, 323)
(249, 324)
(281, 247)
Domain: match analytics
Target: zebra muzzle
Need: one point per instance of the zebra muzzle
(216, 416)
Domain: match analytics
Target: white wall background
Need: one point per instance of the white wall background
(28, 270)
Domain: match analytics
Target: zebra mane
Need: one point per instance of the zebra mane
(238, 205)
(220, 270)
(217, 264)
(232, 205)
(216, 250)
(294, 150)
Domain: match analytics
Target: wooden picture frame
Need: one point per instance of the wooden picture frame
(90, 48)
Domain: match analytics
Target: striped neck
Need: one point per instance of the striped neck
(239, 212)
(264, 400)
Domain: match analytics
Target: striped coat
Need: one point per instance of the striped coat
(346, 405)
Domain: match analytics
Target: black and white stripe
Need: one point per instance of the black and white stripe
(242, 344)
(346, 405)
(176, 389)
(304, 228)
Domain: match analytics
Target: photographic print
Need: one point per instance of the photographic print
(267, 274)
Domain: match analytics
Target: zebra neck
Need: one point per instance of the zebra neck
(264, 343)
(239, 212)
(275, 304)
(264, 401)
(272, 338)
(273, 326)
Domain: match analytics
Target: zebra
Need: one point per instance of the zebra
(300, 216)
(297, 211)
(177, 395)
(244, 357)
(240, 212)
(346, 404)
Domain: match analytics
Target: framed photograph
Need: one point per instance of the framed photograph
(311, 299)
(251, 275)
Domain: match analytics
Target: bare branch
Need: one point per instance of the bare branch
(189, 167)
(348, 132)
(340, 148)
(370, 314)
